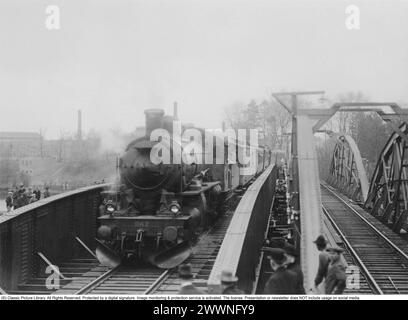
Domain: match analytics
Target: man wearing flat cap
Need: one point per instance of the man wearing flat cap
(324, 261)
(292, 264)
(336, 274)
(282, 281)
(229, 283)
(186, 275)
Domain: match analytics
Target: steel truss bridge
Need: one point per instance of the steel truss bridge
(383, 196)
(366, 215)
(386, 195)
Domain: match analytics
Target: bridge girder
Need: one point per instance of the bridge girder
(347, 172)
(388, 193)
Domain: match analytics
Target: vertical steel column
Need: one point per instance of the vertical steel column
(295, 165)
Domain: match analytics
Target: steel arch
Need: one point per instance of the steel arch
(388, 194)
(347, 172)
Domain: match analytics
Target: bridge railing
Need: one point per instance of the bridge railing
(244, 238)
(48, 226)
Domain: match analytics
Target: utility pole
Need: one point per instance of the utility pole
(293, 110)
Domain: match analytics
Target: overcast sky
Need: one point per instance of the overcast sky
(113, 59)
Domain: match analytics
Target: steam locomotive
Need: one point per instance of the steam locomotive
(156, 209)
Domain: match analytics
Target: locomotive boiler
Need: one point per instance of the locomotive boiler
(158, 209)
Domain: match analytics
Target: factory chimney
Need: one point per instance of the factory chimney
(175, 113)
(79, 133)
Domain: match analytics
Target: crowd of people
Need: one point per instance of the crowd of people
(22, 196)
(287, 275)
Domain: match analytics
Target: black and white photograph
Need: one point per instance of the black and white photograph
(221, 152)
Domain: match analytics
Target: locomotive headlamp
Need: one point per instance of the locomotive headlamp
(110, 208)
(175, 207)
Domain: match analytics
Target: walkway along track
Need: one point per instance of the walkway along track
(379, 253)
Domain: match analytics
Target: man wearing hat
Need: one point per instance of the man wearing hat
(22, 199)
(9, 201)
(292, 264)
(324, 261)
(15, 196)
(186, 275)
(282, 281)
(46, 192)
(336, 274)
(229, 283)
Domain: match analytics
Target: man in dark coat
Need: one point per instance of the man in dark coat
(292, 264)
(186, 275)
(321, 245)
(229, 283)
(37, 193)
(282, 281)
(15, 197)
(47, 192)
(336, 274)
(22, 199)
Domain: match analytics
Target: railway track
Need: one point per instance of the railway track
(202, 260)
(150, 280)
(125, 280)
(383, 263)
(72, 269)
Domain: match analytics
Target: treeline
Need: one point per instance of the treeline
(271, 120)
(367, 128)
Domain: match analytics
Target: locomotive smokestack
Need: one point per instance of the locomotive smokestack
(154, 120)
(175, 113)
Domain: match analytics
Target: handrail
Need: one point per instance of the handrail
(45, 201)
(48, 226)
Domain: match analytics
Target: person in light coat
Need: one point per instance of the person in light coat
(336, 274)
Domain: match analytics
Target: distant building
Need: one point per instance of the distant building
(20, 144)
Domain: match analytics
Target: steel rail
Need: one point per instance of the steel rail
(94, 283)
(156, 284)
(402, 253)
(353, 252)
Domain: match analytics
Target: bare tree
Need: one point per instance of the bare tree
(283, 122)
(343, 122)
(268, 116)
